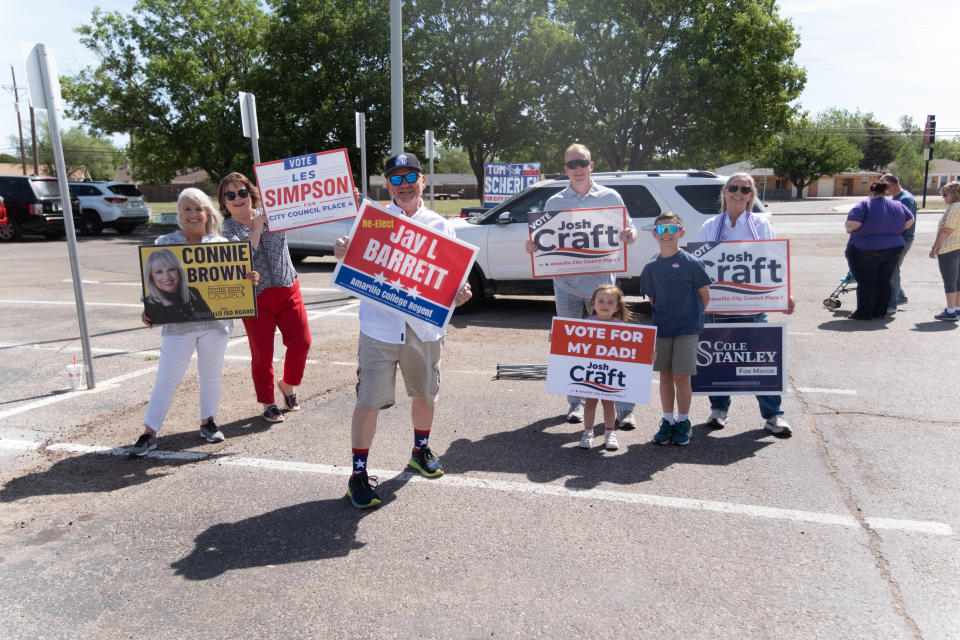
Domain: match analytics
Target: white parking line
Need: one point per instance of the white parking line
(102, 386)
(840, 392)
(65, 303)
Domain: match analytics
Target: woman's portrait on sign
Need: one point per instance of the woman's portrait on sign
(168, 299)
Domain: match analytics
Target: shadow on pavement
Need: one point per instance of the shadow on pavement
(843, 324)
(938, 325)
(542, 456)
(316, 530)
(103, 473)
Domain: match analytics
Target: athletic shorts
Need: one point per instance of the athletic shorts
(377, 370)
(677, 355)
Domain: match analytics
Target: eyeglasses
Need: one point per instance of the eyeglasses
(742, 189)
(411, 177)
(579, 163)
(230, 195)
(661, 229)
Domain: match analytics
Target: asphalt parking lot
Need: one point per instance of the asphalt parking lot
(847, 529)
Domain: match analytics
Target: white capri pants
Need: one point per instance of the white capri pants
(175, 354)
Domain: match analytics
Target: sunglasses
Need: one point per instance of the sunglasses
(411, 177)
(579, 163)
(734, 188)
(230, 195)
(661, 229)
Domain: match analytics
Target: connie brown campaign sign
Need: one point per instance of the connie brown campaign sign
(404, 266)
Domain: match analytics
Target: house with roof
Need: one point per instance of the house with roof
(855, 182)
(942, 171)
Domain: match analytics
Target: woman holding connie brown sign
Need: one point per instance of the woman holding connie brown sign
(279, 301)
(737, 222)
(168, 293)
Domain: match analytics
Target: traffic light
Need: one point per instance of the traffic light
(930, 131)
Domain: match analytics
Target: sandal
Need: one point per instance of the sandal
(289, 400)
(272, 414)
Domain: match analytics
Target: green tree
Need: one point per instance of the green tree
(96, 158)
(452, 159)
(908, 163)
(466, 59)
(879, 149)
(805, 152)
(686, 81)
(169, 73)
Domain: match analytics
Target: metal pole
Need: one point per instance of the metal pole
(254, 129)
(33, 137)
(16, 105)
(428, 143)
(396, 78)
(53, 117)
(926, 172)
(360, 120)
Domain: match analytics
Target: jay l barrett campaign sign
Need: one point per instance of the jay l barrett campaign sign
(306, 190)
(605, 360)
(749, 276)
(196, 282)
(404, 266)
(578, 241)
(741, 358)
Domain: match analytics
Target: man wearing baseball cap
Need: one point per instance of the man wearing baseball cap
(389, 340)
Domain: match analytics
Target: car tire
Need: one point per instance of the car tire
(55, 235)
(10, 231)
(124, 228)
(297, 258)
(90, 224)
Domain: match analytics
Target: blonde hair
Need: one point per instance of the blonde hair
(753, 192)
(164, 258)
(621, 311)
(214, 220)
(953, 188)
(578, 148)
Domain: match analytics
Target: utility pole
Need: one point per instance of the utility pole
(16, 105)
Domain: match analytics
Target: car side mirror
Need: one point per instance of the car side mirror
(504, 218)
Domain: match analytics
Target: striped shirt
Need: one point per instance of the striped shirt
(271, 258)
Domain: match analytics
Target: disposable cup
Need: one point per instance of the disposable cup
(75, 374)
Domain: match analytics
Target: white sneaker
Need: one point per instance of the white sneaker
(610, 442)
(718, 419)
(778, 427)
(575, 412)
(586, 440)
(625, 420)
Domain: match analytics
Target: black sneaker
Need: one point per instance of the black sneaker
(144, 445)
(426, 463)
(210, 432)
(360, 492)
(947, 315)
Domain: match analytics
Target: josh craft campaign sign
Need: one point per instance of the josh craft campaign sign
(503, 180)
(605, 360)
(306, 190)
(741, 358)
(195, 282)
(404, 266)
(749, 276)
(578, 241)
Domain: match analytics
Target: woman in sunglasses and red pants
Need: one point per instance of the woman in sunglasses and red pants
(279, 302)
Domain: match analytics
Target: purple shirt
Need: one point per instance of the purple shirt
(881, 225)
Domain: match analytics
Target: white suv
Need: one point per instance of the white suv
(503, 266)
(110, 204)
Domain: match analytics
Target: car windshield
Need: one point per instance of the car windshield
(532, 199)
(45, 188)
(127, 190)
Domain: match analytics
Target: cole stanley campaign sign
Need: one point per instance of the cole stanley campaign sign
(503, 180)
(194, 282)
(741, 359)
(578, 241)
(404, 266)
(605, 360)
(749, 276)
(306, 190)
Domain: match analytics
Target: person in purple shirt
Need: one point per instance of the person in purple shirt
(876, 228)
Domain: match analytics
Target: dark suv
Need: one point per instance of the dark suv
(33, 206)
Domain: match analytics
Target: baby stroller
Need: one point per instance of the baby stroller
(846, 285)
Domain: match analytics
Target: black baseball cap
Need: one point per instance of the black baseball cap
(405, 160)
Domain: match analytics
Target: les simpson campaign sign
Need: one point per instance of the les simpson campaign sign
(605, 360)
(404, 266)
(306, 190)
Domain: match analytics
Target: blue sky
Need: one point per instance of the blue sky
(885, 56)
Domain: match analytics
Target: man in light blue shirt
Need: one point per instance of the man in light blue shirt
(572, 293)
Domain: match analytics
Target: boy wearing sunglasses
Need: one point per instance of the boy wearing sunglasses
(679, 289)
(389, 340)
(572, 293)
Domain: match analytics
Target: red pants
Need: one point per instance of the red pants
(278, 308)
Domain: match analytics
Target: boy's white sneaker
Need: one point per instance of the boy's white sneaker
(610, 442)
(778, 427)
(718, 419)
(586, 440)
(575, 412)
